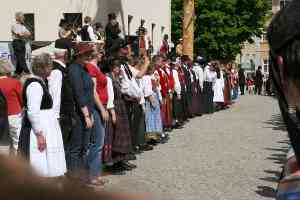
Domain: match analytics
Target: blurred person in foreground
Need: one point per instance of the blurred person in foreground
(283, 36)
(17, 181)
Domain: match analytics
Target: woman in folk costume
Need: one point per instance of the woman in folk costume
(171, 85)
(122, 142)
(154, 127)
(164, 83)
(219, 90)
(208, 93)
(41, 138)
(227, 88)
(139, 68)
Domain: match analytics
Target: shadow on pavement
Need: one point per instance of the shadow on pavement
(276, 123)
(277, 155)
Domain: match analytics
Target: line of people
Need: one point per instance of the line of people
(77, 119)
(83, 109)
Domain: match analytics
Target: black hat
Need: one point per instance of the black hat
(62, 22)
(63, 44)
(285, 26)
(116, 46)
(112, 16)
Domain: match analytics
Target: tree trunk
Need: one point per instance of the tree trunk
(188, 28)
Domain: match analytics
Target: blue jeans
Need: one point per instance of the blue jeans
(77, 148)
(289, 195)
(95, 153)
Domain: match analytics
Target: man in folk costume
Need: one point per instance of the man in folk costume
(195, 106)
(186, 62)
(177, 108)
(87, 32)
(165, 47)
(182, 99)
(179, 47)
(61, 90)
(112, 31)
(141, 32)
(133, 96)
(197, 68)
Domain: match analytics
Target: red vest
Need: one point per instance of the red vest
(163, 82)
(170, 77)
(181, 76)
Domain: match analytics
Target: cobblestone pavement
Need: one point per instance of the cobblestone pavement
(235, 154)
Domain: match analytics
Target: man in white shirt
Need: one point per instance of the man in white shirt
(87, 32)
(19, 35)
(199, 72)
(61, 92)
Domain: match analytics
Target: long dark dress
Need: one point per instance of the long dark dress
(195, 96)
(4, 127)
(47, 103)
(227, 98)
(189, 90)
(122, 142)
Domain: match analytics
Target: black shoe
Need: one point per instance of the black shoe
(168, 130)
(117, 170)
(129, 165)
(131, 157)
(146, 148)
(164, 140)
(125, 167)
(153, 142)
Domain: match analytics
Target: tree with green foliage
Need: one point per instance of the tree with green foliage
(222, 26)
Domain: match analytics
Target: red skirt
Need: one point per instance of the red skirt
(166, 112)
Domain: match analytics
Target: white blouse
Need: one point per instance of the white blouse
(130, 86)
(199, 74)
(209, 76)
(111, 95)
(55, 84)
(147, 83)
(34, 94)
(177, 85)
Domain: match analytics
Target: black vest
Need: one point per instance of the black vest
(47, 103)
(67, 107)
(85, 36)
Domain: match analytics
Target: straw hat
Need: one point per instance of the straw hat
(83, 48)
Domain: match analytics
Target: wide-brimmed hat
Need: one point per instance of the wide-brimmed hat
(6, 66)
(83, 48)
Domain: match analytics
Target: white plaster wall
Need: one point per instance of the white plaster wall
(49, 12)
